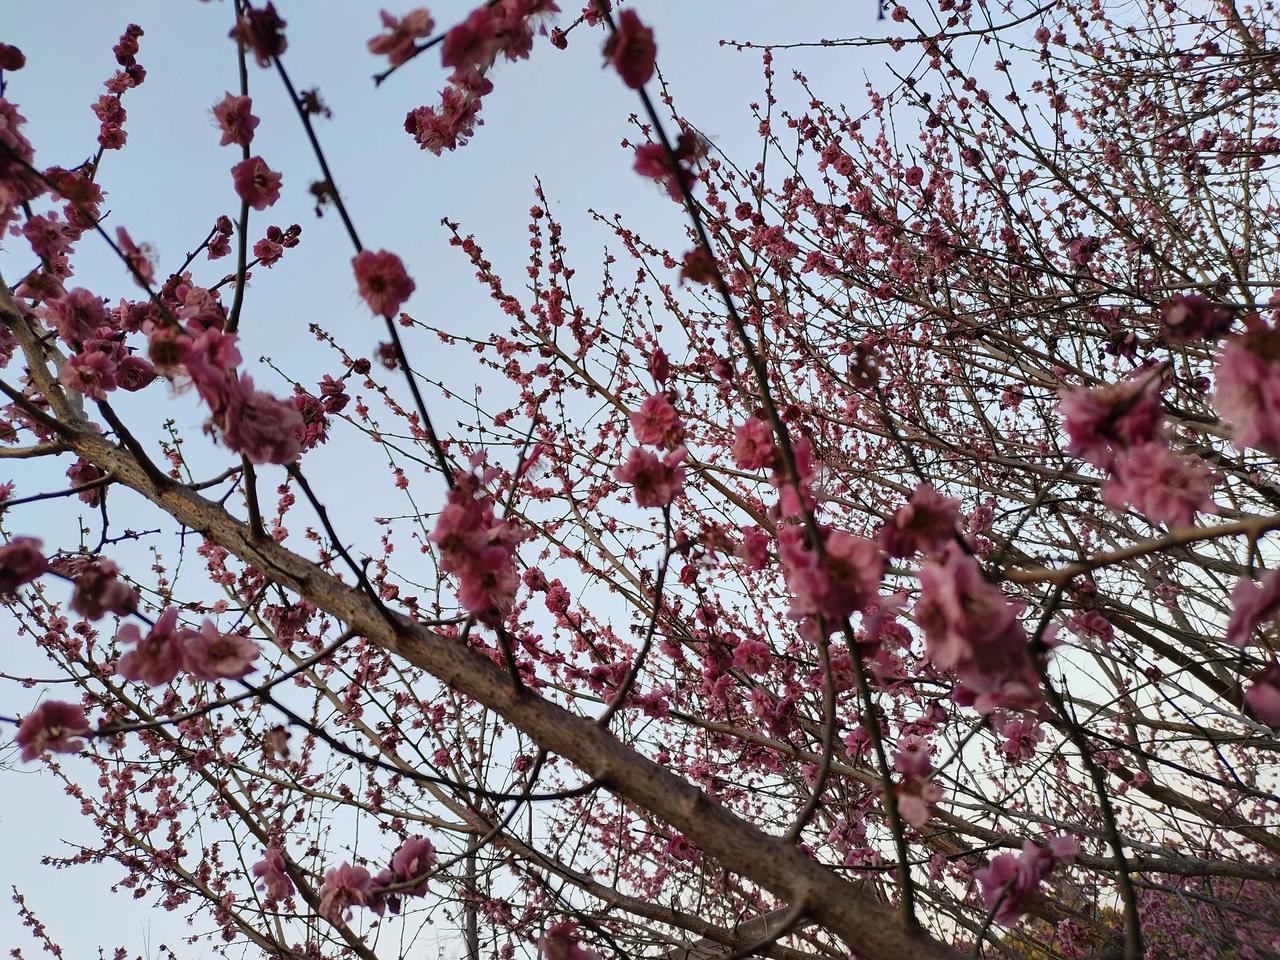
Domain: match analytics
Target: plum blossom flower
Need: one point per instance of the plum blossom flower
(1009, 882)
(631, 50)
(844, 578)
(924, 523)
(560, 942)
(98, 590)
(1190, 318)
(396, 44)
(271, 870)
(655, 481)
(156, 658)
(78, 315)
(971, 628)
(344, 887)
(21, 561)
(414, 858)
(657, 422)
(1251, 606)
(1112, 417)
(1263, 696)
(235, 120)
(262, 427)
(209, 654)
(137, 257)
(382, 281)
(1247, 389)
(262, 31)
(92, 373)
(1163, 486)
(52, 726)
(256, 183)
(916, 793)
(753, 445)
(478, 549)
(752, 656)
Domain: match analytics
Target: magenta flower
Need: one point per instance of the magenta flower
(382, 281)
(156, 658)
(256, 183)
(1190, 318)
(1163, 486)
(262, 31)
(235, 120)
(655, 481)
(560, 942)
(21, 561)
(208, 654)
(52, 726)
(1247, 389)
(344, 887)
(631, 50)
(1010, 882)
(271, 870)
(412, 861)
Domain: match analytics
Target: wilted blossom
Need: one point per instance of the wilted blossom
(924, 523)
(1163, 486)
(655, 481)
(208, 654)
(478, 549)
(844, 578)
(1114, 417)
(21, 561)
(52, 726)
(1010, 882)
(275, 878)
(1247, 389)
(156, 658)
(344, 887)
(971, 628)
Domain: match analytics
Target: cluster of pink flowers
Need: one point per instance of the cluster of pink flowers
(831, 584)
(1010, 882)
(502, 28)
(916, 793)
(347, 885)
(1118, 428)
(1253, 605)
(674, 170)
(655, 480)
(970, 627)
(478, 549)
(169, 649)
(108, 109)
(1247, 388)
(97, 588)
(272, 871)
(560, 942)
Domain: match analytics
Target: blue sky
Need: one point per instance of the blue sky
(558, 116)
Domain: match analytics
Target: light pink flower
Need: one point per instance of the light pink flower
(1113, 417)
(655, 481)
(412, 861)
(99, 590)
(1251, 606)
(271, 870)
(657, 422)
(844, 579)
(92, 373)
(157, 658)
(1163, 486)
(78, 315)
(753, 445)
(1247, 389)
(924, 523)
(256, 183)
(344, 887)
(1010, 882)
(235, 119)
(52, 726)
(209, 654)
(382, 281)
(21, 561)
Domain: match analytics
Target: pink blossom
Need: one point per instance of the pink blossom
(78, 315)
(137, 257)
(256, 183)
(1252, 606)
(1112, 417)
(82, 473)
(98, 590)
(1010, 882)
(478, 549)
(157, 658)
(134, 373)
(1263, 696)
(397, 43)
(262, 427)
(92, 373)
(560, 942)
(655, 481)
(382, 281)
(208, 654)
(916, 794)
(1190, 318)
(472, 43)
(1163, 486)
(344, 887)
(1247, 389)
(273, 873)
(753, 445)
(52, 726)
(1021, 734)
(752, 656)
(235, 120)
(971, 628)
(412, 861)
(631, 50)
(657, 422)
(754, 549)
(926, 522)
(210, 360)
(845, 578)
(262, 31)
(21, 561)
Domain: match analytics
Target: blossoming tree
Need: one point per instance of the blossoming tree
(887, 572)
